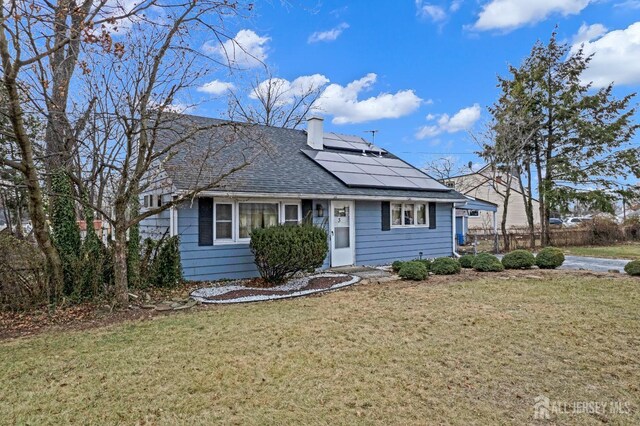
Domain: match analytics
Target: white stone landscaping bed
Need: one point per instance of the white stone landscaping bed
(294, 287)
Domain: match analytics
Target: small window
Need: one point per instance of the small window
(450, 184)
(159, 200)
(409, 215)
(474, 213)
(256, 216)
(145, 202)
(224, 221)
(291, 214)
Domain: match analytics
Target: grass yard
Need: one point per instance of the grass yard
(442, 352)
(629, 251)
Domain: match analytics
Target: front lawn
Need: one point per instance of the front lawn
(629, 251)
(455, 350)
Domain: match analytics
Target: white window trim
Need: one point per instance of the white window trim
(415, 215)
(290, 203)
(221, 241)
(235, 214)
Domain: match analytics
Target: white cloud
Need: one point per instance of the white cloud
(430, 11)
(329, 35)
(284, 91)
(461, 120)
(246, 50)
(589, 32)
(629, 4)
(616, 56)
(342, 102)
(216, 87)
(455, 5)
(511, 14)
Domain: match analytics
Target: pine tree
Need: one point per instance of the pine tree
(582, 147)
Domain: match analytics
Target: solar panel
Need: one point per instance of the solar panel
(373, 171)
(337, 166)
(358, 179)
(349, 143)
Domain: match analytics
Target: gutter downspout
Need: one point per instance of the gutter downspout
(453, 230)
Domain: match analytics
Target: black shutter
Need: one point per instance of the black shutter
(307, 211)
(386, 215)
(205, 221)
(432, 215)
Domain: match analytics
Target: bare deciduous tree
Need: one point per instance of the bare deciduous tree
(275, 101)
(134, 130)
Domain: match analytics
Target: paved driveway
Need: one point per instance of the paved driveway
(597, 264)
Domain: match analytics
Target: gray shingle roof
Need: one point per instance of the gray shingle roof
(212, 147)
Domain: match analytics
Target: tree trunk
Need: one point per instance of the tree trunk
(503, 220)
(120, 265)
(541, 193)
(528, 204)
(32, 183)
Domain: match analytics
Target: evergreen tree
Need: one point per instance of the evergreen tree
(582, 144)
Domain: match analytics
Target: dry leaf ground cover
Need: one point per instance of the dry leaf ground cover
(466, 350)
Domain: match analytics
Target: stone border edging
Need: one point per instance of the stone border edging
(202, 294)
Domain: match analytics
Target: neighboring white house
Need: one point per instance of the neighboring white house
(482, 185)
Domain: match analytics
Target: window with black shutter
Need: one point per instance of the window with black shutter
(386, 215)
(432, 215)
(205, 221)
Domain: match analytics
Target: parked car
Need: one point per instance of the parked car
(555, 221)
(571, 222)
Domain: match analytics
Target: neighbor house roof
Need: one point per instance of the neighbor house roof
(277, 162)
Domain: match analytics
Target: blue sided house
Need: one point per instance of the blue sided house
(375, 207)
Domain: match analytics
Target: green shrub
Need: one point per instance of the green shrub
(166, 266)
(518, 259)
(549, 258)
(282, 250)
(633, 268)
(413, 270)
(395, 266)
(445, 266)
(485, 262)
(426, 262)
(466, 260)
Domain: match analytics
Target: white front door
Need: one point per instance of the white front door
(342, 233)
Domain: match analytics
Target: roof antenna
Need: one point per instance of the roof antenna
(373, 139)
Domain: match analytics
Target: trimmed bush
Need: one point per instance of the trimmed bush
(518, 259)
(466, 260)
(549, 258)
(633, 268)
(426, 262)
(414, 270)
(445, 266)
(485, 262)
(283, 250)
(395, 266)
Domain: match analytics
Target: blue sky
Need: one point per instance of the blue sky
(422, 73)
